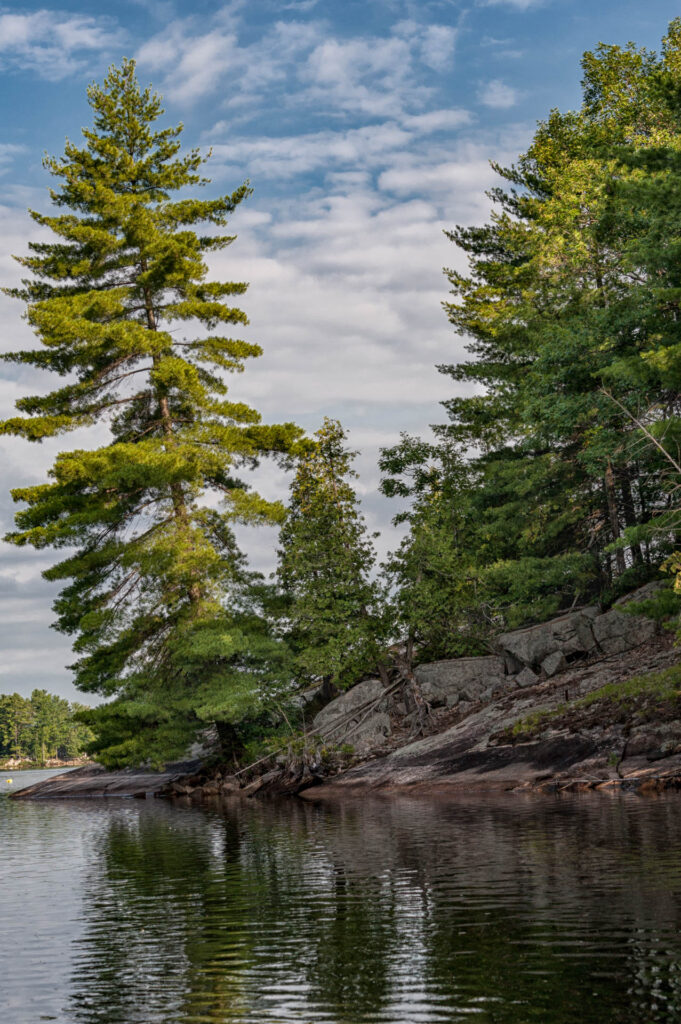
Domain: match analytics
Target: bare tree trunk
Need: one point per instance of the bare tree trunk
(613, 516)
(629, 509)
(230, 744)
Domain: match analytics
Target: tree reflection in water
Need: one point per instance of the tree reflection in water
(396, 910)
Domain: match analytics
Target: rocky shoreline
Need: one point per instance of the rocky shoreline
(589, 700)
(576, 745)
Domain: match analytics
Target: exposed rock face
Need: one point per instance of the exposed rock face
(550, 646)
(553, 663)
(616, 632)
(355, 716)
(371, 731)
(570, 635)
(470, 754)
(95, 781)
(654, 741)
(644, 593)
(526, 678)
(448, 682)
(207, 744)
(362, 716)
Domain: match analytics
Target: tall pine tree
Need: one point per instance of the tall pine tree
(555, 309)
(155, 591)
(438, 600)
(335, 615)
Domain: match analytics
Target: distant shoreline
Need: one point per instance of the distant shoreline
(32, 766)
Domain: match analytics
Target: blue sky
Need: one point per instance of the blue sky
(365, 128)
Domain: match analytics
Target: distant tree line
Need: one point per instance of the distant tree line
(555, 480)
(41, 726)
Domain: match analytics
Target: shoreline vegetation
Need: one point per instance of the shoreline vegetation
(41, 730)
(548, 497)
(18, 765)
(608, 720)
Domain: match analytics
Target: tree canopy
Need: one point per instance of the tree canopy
(570, 311)
(326, 559)
(554, 482)
(41, 726)
(156, 593)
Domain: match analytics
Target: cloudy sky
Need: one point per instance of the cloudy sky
(366, 128)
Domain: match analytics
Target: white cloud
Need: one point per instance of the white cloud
(360, 75)
(502, 48)
(437, 46)
(8, 151)
(499, 95)
(287, 156)
(438, 120)
(299, 6)
(447, 177)
(52, 43)
(199, 60)
(355, 150)
(376, 76)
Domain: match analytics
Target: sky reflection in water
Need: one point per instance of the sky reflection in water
(504, 911)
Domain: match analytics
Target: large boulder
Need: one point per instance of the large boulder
(616, 631)
(571, 635)
(554, 663)
(644, 593)
(469, 679)
(527, 678)
(343, 714)
(370, 732)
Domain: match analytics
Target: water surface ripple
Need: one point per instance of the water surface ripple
(510, 910)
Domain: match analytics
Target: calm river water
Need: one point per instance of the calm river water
(504, 911)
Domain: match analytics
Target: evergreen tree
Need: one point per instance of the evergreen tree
(439, 605)
(335, 616)
(156, 593)
(16, 718)
(41, 726)
(552, 306)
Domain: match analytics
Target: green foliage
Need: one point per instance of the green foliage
(569, 420)
(42, 726)
(439, 605)
(334, 616)
(664, 606)
(663, 686)
(155, 591)
(532, 589)
(654, 696)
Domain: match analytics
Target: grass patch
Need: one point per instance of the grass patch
(663, 686)
(655, 696)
